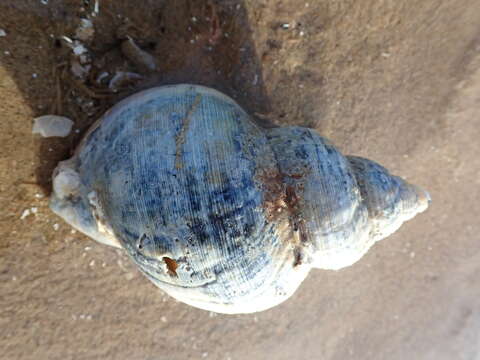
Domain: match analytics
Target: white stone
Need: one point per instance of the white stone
(52, 125)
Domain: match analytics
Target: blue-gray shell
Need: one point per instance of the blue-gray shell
(217, 211)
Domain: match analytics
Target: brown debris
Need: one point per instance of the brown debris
(171, 266)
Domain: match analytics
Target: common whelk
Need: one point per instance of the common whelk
(217, 211)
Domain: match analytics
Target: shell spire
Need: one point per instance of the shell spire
(389, 199)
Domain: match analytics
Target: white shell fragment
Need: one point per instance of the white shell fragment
(217, 211)
(52, 125)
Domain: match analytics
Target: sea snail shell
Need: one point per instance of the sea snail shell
(217, 211)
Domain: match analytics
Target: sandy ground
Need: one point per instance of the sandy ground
(395, 81)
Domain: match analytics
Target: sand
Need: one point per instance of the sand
(395, 81)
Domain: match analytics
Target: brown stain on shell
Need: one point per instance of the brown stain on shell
(282, 200)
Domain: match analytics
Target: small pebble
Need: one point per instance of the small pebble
(25, 213)
(163, 319)
(56, 227)
(34, 75)
(92, 263)
(129, 276)
(7, 53)
(79, 49)
(85, 30)
(52, 125)
(412, 255)
(285, 26)
(44, 2)
(34, 210)
(2, 33)
(96, 8)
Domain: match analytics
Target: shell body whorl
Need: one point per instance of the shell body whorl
(217, 211)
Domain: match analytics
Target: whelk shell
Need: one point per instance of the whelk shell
(217, 211)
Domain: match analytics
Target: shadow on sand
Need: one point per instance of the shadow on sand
(193, 41)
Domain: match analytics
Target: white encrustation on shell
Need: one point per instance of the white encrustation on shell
(217, 211)
(52, 125)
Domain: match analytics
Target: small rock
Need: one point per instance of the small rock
(56, 227)
(96, 9)
(52, 125)
(79, 49)
(85, 30)
(129, 276)
(25, 213)
(2, 33)
(163, 319)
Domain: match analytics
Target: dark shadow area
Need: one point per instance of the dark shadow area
(201, 42)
